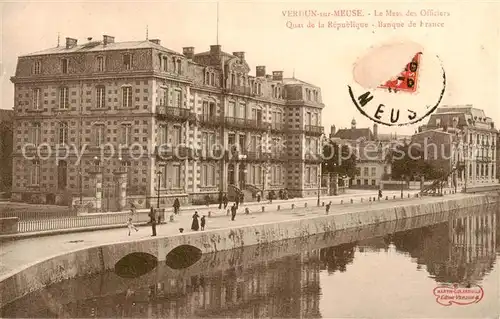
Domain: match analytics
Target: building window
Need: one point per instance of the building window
(373, 182)
(101, 97)
(127, 61)
(35, 173)
(175, 176)
(212, 79)
(165, 64)
(314, 175)
(308, 175)
(63, 133)
(162, 134)
(37, 94)
(37, 67)
(207, 175)
(365, 182)
(127, 96)
(36, 133)
(64, 98)
(164, 176)
(179, 66)
(374, 171)
(126, 131)
(178, 98)
(99, 134)
(163, 94)
(365, 171)
(64, 66)
(176, 135)
(100, 64)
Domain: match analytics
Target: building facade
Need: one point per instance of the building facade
(371, 150)
(179, 125)
(6, 122)
(465, 137)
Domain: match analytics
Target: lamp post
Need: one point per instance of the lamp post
(158, 189)
(402, 184)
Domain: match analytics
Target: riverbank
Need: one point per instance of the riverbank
(95, 257)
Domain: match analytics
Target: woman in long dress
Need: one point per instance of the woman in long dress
(195, 225)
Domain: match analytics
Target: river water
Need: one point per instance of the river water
(385, 271)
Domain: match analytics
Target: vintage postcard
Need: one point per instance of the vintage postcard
(256, 159)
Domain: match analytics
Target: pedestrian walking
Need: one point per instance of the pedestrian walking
(152, 220)
(225, 201)
(233, 211)
(328, 207)
(258, 197)
(195, 225)
(131, 226)
(177, 205)
(379, 193)
(203, 222)
(221, 197)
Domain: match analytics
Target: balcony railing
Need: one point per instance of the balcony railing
(313, 157)
(175, 113)
(247, 123)
(314, 129)
(208, 119)
(177, 152)
(278, 127)
(212, 153)
(238, 89)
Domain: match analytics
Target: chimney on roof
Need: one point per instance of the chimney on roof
(89, 39)
(215, 49)
(71, 43)
(375, 131)
(260, 70)
(240, 55)
(155, 41)
(277, 75)
(188, 52)
(333, 130)
(107, 39)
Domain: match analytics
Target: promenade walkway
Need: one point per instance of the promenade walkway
(16, 255)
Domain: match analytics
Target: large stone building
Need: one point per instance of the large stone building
(461, 137)
(6, 122)
(194, 124)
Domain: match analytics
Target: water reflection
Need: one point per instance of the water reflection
(460, 249)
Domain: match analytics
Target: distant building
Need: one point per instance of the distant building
(6, 125)
(371, 149)
(140, 95)
(468, 139)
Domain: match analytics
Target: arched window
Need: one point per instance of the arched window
(63, 133)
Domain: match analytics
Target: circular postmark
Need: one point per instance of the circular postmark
(397, 83)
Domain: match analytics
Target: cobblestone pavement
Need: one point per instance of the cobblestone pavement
(19, 254)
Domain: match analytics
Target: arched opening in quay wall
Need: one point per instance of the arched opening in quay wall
(135, 265)
(183, 256)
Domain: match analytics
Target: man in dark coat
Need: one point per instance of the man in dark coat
(221, 197)
(233, 211)
(152, 220)
(177, 205)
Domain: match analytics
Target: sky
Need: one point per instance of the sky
(468, 43)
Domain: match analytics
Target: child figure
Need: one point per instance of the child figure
(131, 226)
(202, 222)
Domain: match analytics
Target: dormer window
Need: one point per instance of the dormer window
(179, 66)
(212, 79)
(438, 122)
(64, 66)
(100, 64)
(127, 61)
(165, 64)
(37, 67)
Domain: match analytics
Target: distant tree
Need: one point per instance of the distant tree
(409, 162)
(340, 159)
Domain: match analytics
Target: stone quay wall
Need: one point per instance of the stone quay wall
(93, 260)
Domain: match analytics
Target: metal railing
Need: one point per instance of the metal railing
(177, 113)
(35, 225)
(314, 129)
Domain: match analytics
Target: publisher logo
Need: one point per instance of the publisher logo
(447, 295)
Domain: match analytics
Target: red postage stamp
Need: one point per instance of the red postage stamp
(407, 80)
(447, 295)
